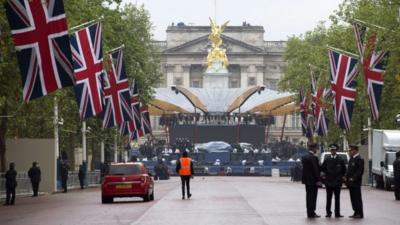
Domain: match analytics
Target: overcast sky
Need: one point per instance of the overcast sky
(280, 18)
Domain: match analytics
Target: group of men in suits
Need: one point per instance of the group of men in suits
(333, 173)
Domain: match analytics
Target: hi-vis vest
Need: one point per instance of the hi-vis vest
(185, 166)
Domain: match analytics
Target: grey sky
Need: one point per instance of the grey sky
(280, 18)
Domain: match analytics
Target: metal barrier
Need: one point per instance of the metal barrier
(24, 184)
(92, 178)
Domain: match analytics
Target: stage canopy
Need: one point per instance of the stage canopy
(253, 100)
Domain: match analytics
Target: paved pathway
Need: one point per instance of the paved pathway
(216, 200)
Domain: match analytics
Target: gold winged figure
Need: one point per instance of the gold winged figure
(217, 53)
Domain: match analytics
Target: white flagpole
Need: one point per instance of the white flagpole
(343, 52)
(86, 24)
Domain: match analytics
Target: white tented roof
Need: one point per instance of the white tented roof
(218, 99)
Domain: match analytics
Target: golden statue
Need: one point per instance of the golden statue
(216, 53)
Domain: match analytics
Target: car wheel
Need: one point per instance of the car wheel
(146, 198)
(152, 196)
(106, 199)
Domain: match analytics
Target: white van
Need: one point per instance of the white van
(344, 155)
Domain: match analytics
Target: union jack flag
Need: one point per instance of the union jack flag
(304, 112)
(343, 70)
(321, 125)
(373, 66)
(87, 60)
(129, 127)
(40, 34)
(117, 108)
(145, 124)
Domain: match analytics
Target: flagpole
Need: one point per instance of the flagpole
(115, 49)
(369, 24)
(343, 52)
(86, 24)
(316, 67)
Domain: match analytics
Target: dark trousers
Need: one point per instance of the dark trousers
(35, 188)
(311, 199)
(185, 182)
(397, 191)
(82, 183)
(329, 192)
(64, 185)
(356, 200)
(10, 196)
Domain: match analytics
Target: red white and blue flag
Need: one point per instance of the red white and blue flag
(317, 94)
(129, 127)
(145, 124)
(343, 70)
(117, 103)
(87, 55)
(40, 34)
(374, 64)
(304, 112)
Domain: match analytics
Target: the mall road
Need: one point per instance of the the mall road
(216, 200)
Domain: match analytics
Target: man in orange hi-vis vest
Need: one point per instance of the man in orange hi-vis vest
(184, 167)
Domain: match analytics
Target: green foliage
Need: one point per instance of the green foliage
(129, 25)
(310, 48)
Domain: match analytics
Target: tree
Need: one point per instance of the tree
(310, 48)
(129, 25)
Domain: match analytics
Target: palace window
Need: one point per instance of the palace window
(251, 81)
(178, 81)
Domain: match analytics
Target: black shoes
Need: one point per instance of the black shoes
(339, 216)
(183, 197)
(356, 216)
(314, 216)
(189, 195)
(328, 215)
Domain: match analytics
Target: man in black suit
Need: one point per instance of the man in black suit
(334, 169)
(311, 179)
(353, 181)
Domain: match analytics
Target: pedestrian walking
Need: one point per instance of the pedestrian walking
(64, 175)
(11, 184)
(81, 176)
(35, 175)
(311, 179)
(396, 169)
(353, 181)
(184, 167)
(334, 169)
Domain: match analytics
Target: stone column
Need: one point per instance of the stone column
(243, 75)
(169, 70)
(186, 75)
(260, 75)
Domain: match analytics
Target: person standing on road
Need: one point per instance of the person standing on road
(81, 176)
(353, 181)
(35, 175)
(11, 184)
(64, 176)
(396, 170)
(311, 179)
(184, 167)
(334, 169)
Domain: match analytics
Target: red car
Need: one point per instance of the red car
(127, 180)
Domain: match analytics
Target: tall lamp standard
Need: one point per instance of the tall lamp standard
(258, 90)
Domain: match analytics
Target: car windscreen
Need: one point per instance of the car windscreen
(124, 170)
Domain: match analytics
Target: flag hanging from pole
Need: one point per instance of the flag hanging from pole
(40, 34)
(117, 108)
(86, 46)
(343, 70)
(129, 127)
(317, 94)
(304, 111)
(374, 64)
